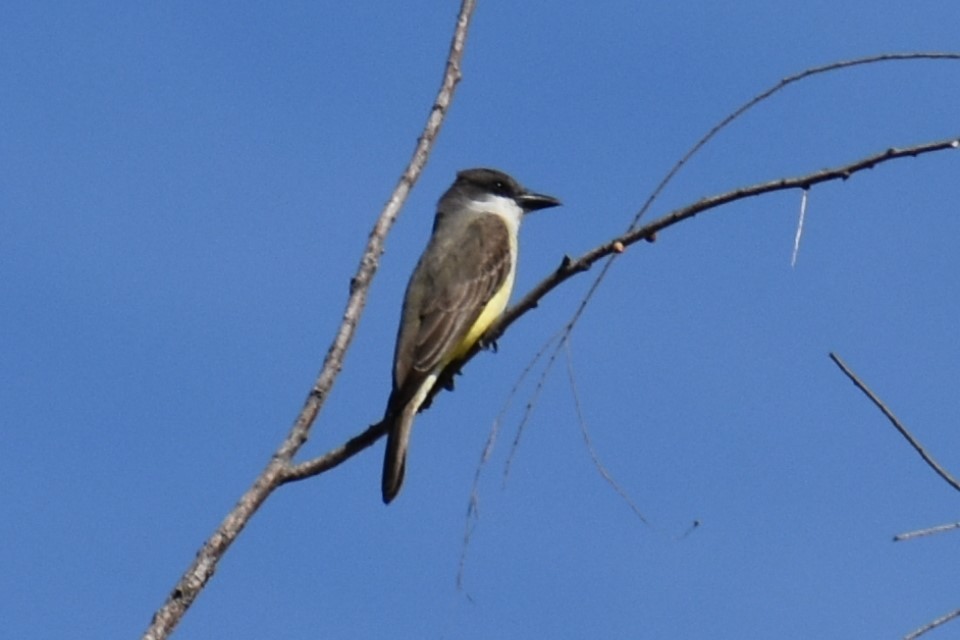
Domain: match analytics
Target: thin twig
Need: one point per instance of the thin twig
(932, 625)
(334, 457)
(202, 568)
(929, 531)
(943, 473)
(594, 456)
(693, 527)
(528, 410)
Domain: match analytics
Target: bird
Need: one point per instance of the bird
(459, 288)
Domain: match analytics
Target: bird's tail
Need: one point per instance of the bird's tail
(395, 458)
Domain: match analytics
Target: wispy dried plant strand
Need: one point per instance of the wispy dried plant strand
(202, 568)
(527, 415)
(473, 503)
(796, 238)
(594, 456)
(933, 464)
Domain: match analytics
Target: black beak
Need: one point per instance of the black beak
(536, 201)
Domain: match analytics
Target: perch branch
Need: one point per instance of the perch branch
(570, 267)
(197, 575)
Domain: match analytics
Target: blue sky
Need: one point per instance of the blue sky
(185, 189)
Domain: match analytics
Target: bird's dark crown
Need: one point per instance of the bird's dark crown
(490, 181)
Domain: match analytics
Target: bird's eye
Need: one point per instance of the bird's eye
(500, 188)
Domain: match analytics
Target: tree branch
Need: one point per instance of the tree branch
(675, 169)
(929, 531)
(702, 142)
(334, 457)
(776, 88)
(942, 620)
(727, 121)
(943, 473)
(570, 267)
(204, 565)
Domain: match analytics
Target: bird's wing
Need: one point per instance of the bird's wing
(436, 324)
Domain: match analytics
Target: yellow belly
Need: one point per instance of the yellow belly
(487, 317)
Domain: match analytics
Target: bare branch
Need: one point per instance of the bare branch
(727, 121)
(618, 246)
(764, 95)
(943, 473)
(333, 458)
(929, 531)
(932, 625)
(202, 568)
(570, 267)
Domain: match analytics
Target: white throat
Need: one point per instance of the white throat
(504, 207)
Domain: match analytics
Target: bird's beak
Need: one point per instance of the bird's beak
(535, 201)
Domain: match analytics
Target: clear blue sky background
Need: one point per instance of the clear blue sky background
(185, 189)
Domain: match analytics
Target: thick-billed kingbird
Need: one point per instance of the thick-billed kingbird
(458, 289)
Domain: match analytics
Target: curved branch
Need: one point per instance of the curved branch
(728, 120)
(703, 141)
(570, 267)
(776, 88)
(202, 568)
(334, 457)
(692, 151)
